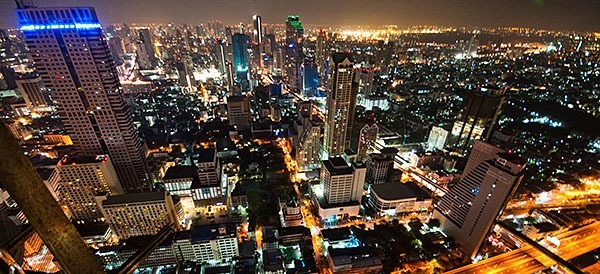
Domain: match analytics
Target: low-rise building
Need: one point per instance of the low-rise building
(394, 197)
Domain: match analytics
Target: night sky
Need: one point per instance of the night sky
(547, 14)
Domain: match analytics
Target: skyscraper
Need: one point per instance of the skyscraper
(257, 32)
(240, 56)
(478, 116)
(294, 40)
(339, 104)
(470, 209)
(74, 61)
(364, 134)
(146, 42)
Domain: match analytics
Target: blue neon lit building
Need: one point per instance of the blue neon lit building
(310, 77)
(74, 61)
(240, 43)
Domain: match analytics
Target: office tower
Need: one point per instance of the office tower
(338, 105)
(221, 53)
(478, 116)
(149, 53)
(209, 167)
(385, 53)
(321, 53)
(81, 180)
(270, 44)
(294, 40)
(379, 165)
(342, 183)
(437, 138)
(139, 214)
(238, 112)
(32, 89)
(186, 74)
(470, 209)
(73, 59)
(364, 134)
(206, 243)
(364, 79)
(310, 77)
(20, 179)
(257, 32)
(240, 43)
(9, 76)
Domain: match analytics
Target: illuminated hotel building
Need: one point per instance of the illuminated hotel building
(84, 178)
(73, 59)
(140, 214)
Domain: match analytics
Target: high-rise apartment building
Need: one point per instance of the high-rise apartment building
(238, 112)
(364, 135)
(32, 90)
(81, 180)
(339, 107)
(308, 151)
(380, 164)
(74, 61)
(294, 41)
(140, 214)
(470, 209)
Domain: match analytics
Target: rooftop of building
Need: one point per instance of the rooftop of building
(137, 242)
(213, 231)
(135, 198)
(92, 229)
(45, 173)
(337, 166)
(339, 57)
(180, 172)
(389, 151)
(74, 160)
(203, 155)
(294, 230)
(359, 257)
(336, 234)
(236, 98)
(397, 191)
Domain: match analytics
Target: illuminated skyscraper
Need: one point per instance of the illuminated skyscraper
(469, 210)
(74, 61)
(339, 106)
(240, 43)
(293, 51)
(257, 32)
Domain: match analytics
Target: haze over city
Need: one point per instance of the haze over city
(579, 15)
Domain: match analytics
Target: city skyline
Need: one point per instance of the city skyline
(552, 15)
(258, 148)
